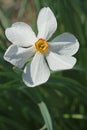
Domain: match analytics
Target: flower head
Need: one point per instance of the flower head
(55, 55)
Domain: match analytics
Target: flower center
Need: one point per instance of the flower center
(41, 45)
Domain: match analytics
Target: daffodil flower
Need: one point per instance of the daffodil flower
(55, 55)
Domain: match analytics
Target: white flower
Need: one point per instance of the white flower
(55, 55)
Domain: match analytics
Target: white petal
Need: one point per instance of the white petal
(58, 62)
(46, 23)
(37, 72)
(21, 34)
(65, 44)
(18, 55)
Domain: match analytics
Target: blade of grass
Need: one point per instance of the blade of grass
(46, 115)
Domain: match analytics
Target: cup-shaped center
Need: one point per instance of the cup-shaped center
(41, 45)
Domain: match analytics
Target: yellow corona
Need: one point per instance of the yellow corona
(41, 46)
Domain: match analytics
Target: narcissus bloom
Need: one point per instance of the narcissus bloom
(45, 55)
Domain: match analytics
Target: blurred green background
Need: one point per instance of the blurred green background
(64, 96)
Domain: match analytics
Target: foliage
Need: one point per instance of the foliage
(59, 104)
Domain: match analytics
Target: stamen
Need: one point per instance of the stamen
(41, 45)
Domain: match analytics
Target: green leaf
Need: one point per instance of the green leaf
(75, 116)
(22, 9)
(46, 115)
(44, 127)
(4, 19)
